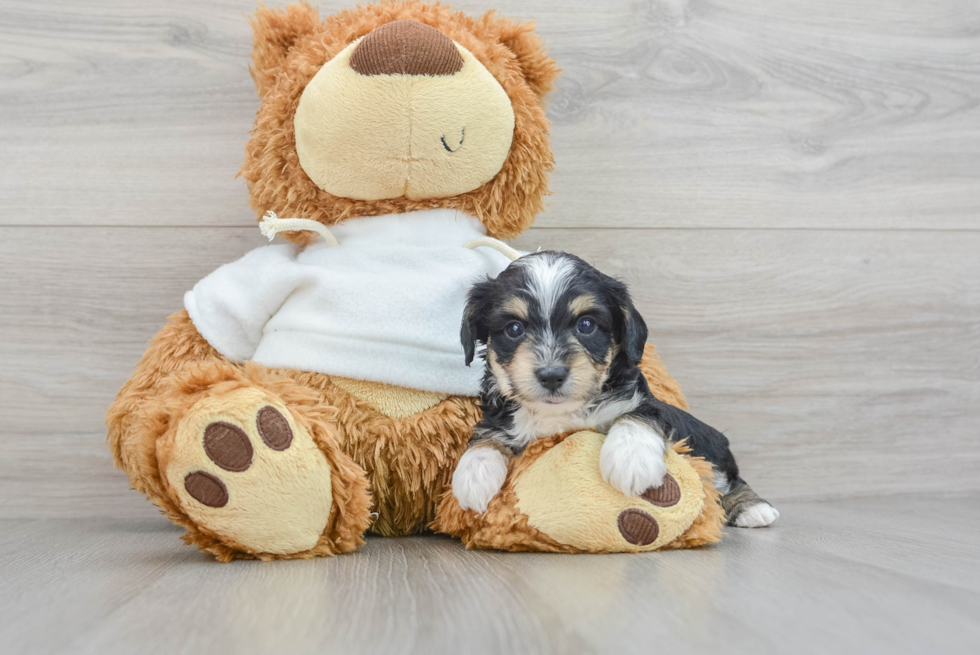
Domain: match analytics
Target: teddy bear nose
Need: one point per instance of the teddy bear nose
(406, 47)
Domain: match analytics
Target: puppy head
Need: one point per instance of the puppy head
(553, 326)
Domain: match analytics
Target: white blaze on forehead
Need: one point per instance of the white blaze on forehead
(548, 276)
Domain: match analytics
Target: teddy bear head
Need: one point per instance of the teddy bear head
(396, 107)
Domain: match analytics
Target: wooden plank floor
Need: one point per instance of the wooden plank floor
(857, 576)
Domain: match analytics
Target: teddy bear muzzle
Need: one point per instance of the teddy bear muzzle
(404, 111)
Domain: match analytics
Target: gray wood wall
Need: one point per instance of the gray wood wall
(790, 186)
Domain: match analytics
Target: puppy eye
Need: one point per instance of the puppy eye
(514, 330)
(586, 325)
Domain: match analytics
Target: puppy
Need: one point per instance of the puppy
(563, 342)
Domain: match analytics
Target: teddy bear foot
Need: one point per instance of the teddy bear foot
(556, 500)
(248, 475)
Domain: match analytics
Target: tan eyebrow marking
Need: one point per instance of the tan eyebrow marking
(582, 304)
(518, 307)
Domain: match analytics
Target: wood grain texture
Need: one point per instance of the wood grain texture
(855, 576)
(729, 113)
(838, 362)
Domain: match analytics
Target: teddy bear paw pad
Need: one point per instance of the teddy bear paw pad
(667, 494)
(241, 468)
(638, 527)
(206, 489)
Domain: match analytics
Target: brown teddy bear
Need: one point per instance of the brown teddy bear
(315, 390)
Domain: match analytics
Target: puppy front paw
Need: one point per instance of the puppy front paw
(632, 457)
(480, 474)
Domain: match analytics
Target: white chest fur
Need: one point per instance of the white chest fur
(541, 420)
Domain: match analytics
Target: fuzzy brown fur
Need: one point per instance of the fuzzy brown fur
(291, 45)
(406, 463)
(409, 461)
(707, 527)
(661, 384)
(504, 527)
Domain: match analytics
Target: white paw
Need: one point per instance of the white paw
(632, 457)
(478, 477)
(758, 516)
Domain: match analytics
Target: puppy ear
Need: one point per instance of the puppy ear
(274, 33)
(476, 326)
(632, 328)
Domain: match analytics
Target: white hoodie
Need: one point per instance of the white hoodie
(385, 305)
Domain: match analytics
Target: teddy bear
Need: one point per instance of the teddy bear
(315, 389)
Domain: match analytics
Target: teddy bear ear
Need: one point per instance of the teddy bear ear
(274, 33)
(539, 69)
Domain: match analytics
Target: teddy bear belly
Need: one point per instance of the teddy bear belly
(407, 441)
(390, 400)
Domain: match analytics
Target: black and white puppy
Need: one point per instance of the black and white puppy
(563, 342)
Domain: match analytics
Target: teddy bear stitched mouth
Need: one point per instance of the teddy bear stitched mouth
(445, 144)
(462, 136)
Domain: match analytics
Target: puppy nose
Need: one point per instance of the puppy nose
(552, 377)
(406, 47)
